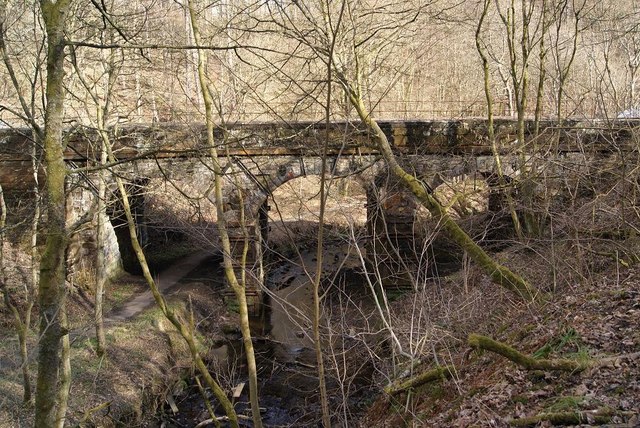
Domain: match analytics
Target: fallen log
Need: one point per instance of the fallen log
(601, 416)
(438, 373)
(477, 341)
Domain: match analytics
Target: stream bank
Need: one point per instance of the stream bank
(145, 359)
(285, 355)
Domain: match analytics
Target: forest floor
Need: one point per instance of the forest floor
(146, 359)
(589, 311)
(592, 319)
(589, 320)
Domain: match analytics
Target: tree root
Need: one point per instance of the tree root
(438, 373)
(562, 364)
(602, 416)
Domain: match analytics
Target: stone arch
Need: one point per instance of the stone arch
(436, 171)
(115, 213)
(296, 168)
(391, 214)
(464, 195)
(400, 227)
(254, 179)
(248, 184)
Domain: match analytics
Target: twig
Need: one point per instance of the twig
(219, 419)
(89, 412)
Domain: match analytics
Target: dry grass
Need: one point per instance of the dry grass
(146, 357)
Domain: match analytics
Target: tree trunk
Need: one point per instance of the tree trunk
(542, 70)
(499, 274)
(22, 320)
(438, 373)
(52, 266)
(65, 373)
(239, 287)
(482, 342)
(35, 273)
(101, 274)
(317, 312)
(22, 327)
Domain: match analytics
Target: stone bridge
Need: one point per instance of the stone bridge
(259, 157)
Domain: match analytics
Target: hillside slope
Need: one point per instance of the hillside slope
(592, 319)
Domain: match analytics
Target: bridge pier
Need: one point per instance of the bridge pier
(247, 254)
(82, 249)
(391, 227)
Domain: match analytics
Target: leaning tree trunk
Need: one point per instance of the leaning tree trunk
(499, 274)
(239, 287)
(186, 333)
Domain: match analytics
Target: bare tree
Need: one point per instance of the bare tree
(237, 284)
(564, 57)
(28, 113)
(349, 72)
(490, 126)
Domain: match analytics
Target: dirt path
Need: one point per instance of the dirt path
(169, 277)
(165, 280)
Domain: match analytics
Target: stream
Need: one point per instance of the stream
(284, 347)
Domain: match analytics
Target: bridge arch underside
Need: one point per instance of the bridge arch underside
(260, 179)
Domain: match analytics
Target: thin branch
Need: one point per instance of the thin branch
(168, 46)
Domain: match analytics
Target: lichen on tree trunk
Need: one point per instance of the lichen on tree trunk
(52, 266)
